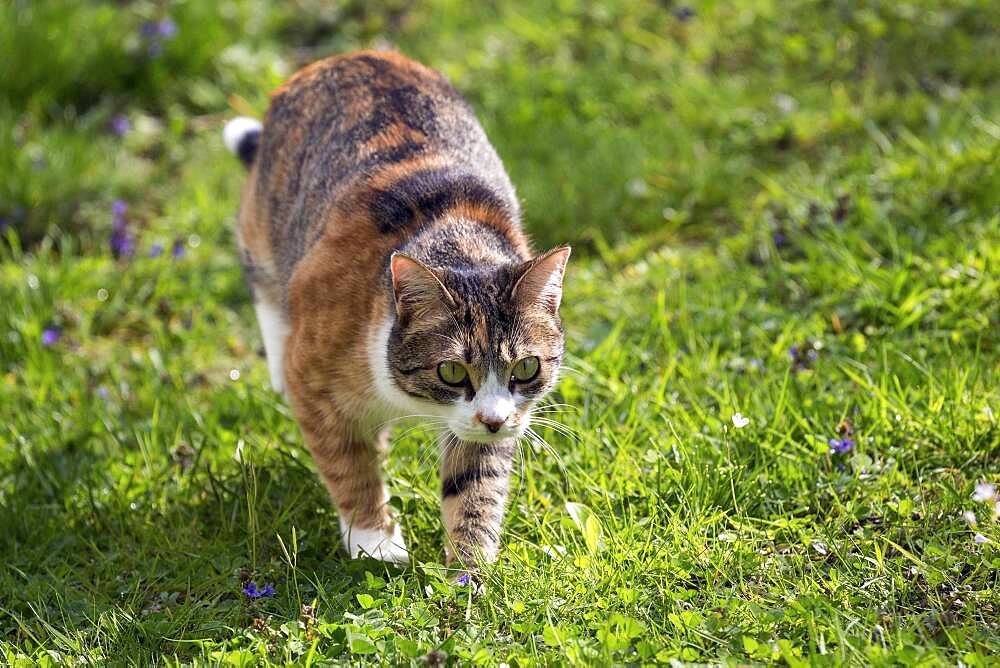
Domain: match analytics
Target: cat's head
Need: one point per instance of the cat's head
(476, 349)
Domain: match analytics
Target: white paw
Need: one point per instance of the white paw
(376, 543)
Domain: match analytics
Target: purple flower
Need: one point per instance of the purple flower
(253, 593)
(463, 579)
(802, 357)
(154, 32)
(50, 336)
(121, 242)
(166, 29)
(156, 250)
(840, 445)
(683, 13)
(177, 252)
(120, 125)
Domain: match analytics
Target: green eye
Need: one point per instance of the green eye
(452, 373)
(525, 370)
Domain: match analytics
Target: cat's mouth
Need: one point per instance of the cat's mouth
(484, 436)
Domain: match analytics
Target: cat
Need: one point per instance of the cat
(380, 237)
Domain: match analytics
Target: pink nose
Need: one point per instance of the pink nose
(491, 422)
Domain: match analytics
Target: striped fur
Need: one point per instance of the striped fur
(380, 236)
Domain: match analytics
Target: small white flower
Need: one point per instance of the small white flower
(980, 539)
(637, 187)
(786, 104)
(739, 421)
(970, 517)
(984, 492)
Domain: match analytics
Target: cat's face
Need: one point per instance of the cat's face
(476, 350)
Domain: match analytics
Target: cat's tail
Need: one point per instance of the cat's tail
(241, 135)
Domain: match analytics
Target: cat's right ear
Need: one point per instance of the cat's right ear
(416, 288)
(542, 279)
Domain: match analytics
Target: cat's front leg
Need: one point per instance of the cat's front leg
(474, 484)
(350, 468)
(349, 464)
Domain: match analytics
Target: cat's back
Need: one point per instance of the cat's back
(366, 120)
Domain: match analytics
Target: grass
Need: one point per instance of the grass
(746, 180)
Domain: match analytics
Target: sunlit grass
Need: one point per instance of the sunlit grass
(737, 184)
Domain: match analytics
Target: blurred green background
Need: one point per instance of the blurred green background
(786, 210)
(614, 119)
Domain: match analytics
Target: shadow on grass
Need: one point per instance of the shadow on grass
(154, 559)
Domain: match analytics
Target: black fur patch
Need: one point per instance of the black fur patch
(314, 151)
(426, 194)
(456, 484)
(246, 149)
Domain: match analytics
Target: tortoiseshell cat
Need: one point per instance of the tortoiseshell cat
(380, 237)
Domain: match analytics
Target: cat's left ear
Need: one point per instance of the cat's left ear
(417, 289)
(542, 279)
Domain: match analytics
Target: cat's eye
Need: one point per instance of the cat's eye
(452, 373)
(525, 370)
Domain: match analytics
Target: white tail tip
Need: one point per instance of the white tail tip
(238, 128)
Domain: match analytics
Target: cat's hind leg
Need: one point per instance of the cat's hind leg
(274, 330)
(271, 315)
(253, 235)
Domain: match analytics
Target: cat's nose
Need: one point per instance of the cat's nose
(491, 422)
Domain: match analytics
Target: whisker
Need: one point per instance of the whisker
(432, 453)
(400, 418)
(566, 367)
(522, 470)
(445, 448)
(419, 426)
(549, 421)
(558, 427)
(556, 405)
(542, 443)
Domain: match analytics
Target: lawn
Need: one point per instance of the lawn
(782, 401)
